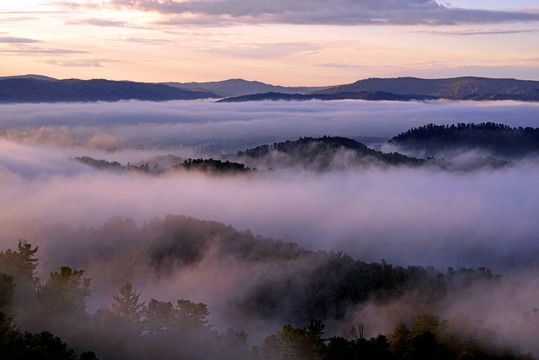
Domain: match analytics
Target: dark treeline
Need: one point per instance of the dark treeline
(133, 329)
(321, 153)
(302, 284)
(213, 166)
(338, 283)
(498, 139)
(356, 95)
(160, 165)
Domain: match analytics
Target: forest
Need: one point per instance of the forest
(49, 319)
(498, 139)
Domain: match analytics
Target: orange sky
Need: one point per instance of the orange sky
(303, 42)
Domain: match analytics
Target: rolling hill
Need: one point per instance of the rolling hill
(360, 95)
(496, 139)
(322, 154)
(461, 88)
(31, 89)
(240, 87)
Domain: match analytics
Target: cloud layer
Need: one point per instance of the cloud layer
(478, 218)
(408, 216)
(336, 12)
(233, 127)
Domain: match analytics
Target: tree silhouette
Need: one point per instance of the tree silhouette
(127, 303)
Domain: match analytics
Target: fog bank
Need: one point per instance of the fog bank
(230, 127)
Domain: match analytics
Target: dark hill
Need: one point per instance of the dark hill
(323, 153)
(360, 95)
(159, 165)
(29, 76)
(16, 90)
(239, 87)
(300, 286)
(461, 88)
(497, 139)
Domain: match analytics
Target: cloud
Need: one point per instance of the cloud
(17, 40)
(15, 18)
(89, 4)
(101, 22)
(232, 127)
(471, 32)
(447, 218)
(75, 63)
(267, 50)
(408, 216)
(340, 65)
(335, 12)
(39, 50)
(150, 41)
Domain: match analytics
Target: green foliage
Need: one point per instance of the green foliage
(19, 281)
(17, 345)
(295, 343)
(180, 330)
(159, 316)
(127, 304)
(65, 292)
(181, 240)
(20, 264)
(192, 314)
(400, 341)
(426, 322)
(7, 287)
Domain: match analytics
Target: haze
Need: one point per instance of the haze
(480, 218)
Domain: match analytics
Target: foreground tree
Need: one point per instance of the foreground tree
(127, 304)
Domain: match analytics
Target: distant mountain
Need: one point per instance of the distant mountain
(38, 88)
(29, 76)
(30, 89)
(321, 154)
(239, 87)
(360, 95)
(461, 88)
(496, 139)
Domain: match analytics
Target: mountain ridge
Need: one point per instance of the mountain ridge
(31, 90)
(458, 88)
(240, 87)
(39, 88)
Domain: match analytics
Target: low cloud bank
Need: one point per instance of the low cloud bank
(233, 127)
(419, 216)
(407, 216)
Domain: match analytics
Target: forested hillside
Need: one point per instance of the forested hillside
(497, 139)
(311, 289)
(323, 154)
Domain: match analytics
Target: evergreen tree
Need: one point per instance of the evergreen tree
(127, 304)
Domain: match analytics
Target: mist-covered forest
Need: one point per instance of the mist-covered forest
(329, 287)
(308, 230)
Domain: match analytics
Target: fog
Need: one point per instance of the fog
(448, 218)
(407, 216)
(235, 126)
(485, 218)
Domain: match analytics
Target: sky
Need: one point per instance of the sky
(300, 42)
